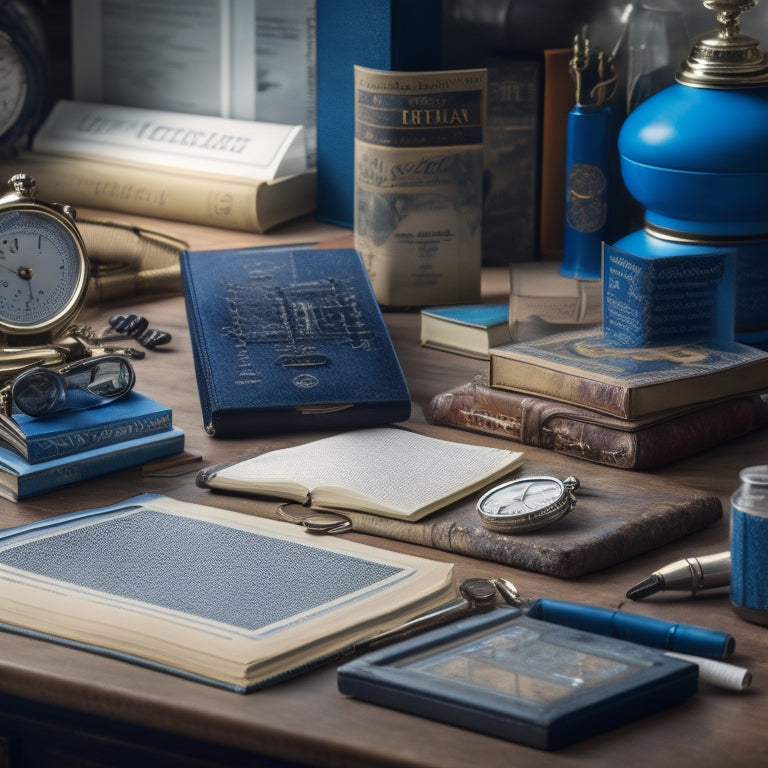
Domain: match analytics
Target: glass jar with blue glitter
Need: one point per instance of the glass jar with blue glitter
(749, 545)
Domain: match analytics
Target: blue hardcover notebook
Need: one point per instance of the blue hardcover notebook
(290, 339)
(68, 432)
(19, 479)
(217, 596)
(380, 34)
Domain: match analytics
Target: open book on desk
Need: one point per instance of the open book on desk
(384, 471)
(217, 596)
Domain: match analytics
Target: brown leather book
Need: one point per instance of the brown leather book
(644, 443)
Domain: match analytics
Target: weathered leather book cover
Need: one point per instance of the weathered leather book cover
(636, 444)
(617, 516)
(583, 368)
(289, 339)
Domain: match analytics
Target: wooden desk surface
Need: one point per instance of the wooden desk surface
(306, 720)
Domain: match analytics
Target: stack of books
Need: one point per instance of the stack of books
(41, 455)
(629, 408)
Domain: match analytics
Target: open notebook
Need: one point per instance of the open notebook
(213, 595)
(384, 471)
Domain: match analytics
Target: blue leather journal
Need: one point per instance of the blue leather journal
(289, 339)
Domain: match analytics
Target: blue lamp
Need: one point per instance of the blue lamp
(695, 155)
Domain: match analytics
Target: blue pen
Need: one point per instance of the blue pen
(644, 630)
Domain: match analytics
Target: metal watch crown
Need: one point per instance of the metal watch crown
(23, 184)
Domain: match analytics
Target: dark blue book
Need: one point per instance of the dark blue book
(71, 432)
(290, 339)
(19, 479)
(381, 34)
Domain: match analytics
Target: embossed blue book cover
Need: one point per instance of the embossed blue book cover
(69, 432)
(289, 339)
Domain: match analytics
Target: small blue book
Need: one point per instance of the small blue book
(70, 432)
(471, 329)
(19, 479)
(289, 339)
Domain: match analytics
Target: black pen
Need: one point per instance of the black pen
(690, 575)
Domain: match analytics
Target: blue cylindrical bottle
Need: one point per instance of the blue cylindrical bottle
(749, 545)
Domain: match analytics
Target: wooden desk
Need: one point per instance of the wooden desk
(55, 701)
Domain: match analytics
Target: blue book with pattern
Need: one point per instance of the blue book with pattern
(215, 596)
(289, 339)
(69, 432)
(19, 479)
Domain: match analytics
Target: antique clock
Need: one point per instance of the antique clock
(44, 268)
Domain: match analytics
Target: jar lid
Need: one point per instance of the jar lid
(724, 58)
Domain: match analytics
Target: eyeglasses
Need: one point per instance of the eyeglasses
(86, 383)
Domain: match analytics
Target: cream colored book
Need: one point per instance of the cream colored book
(384, 471)
(214, 200)
(418, 175)
(213, 595)
(543, 302)
(246, 149)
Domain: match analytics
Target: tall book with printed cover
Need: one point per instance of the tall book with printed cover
(582, 369)
(419, 184)
(289, 339)
(215, 596)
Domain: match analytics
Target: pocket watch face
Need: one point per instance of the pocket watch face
(527, 504)
(41, 272)
(523, 496)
